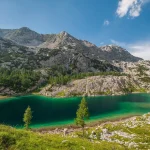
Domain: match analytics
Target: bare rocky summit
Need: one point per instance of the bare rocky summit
(23, 36)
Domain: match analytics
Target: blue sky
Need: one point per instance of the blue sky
(125, 22)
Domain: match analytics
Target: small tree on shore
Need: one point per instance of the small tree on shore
(27, 117)
(82, 114)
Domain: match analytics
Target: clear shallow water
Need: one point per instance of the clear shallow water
(61, 111)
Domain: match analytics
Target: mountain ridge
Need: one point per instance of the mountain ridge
(27, 37)
(21, 46)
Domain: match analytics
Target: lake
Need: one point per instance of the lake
(62, 111)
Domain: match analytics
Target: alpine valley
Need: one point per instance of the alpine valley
(60, 65)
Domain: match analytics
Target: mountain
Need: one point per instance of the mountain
(65, 42)
(15, 56)
(24, 48)
(23, 36)
(58, 58)
(113, 52)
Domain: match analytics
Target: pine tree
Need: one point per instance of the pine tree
(82, 114)
(27, 117)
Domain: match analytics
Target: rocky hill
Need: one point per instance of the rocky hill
(23, 36)
(99, 85)
(113, 52)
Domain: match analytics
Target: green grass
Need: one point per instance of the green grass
(145, 79)
(137, 131)
(18, 139)
(61, 94)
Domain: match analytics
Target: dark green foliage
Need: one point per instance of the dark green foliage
(146, 79)
(6, 140)
(103, 65)
(69, 46)
(141, 69)
(27, 117)
(129, 88)
(82, 114)
(45, 53)
(18, 80)
(64, 79)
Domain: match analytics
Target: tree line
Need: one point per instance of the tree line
(64, 79)
(18, 79)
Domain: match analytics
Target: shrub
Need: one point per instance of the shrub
(6, 140)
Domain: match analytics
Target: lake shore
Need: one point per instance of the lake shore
(90, 124)
(116, 94)
(73, 128)
(38, 94)
(3, 97)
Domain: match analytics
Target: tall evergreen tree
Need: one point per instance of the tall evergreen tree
(27, 117)
(82, 114)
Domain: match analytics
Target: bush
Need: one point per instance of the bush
(19, 79)
(64, 79)
(6, 140)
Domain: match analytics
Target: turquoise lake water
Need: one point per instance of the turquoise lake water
(62, 111)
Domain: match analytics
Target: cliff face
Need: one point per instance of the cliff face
(97, 85)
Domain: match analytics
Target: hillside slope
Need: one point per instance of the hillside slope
(135, 78)
(131, 134)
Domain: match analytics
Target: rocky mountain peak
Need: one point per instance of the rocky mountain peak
(25, 29)
(114, 52)
(110, 48)
(23, 36)
(64, 33)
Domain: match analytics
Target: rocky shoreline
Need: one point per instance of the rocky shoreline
(117, 94)
(126, 132)
(98, 85)
(3, 97)
(73, 127)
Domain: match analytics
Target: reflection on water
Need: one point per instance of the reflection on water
(54, 111)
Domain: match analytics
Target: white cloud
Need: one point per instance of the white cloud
(131, 7)
(106, 22)
(140, 49)
(118, 43)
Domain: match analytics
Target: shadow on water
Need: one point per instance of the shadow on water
(46, 110)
